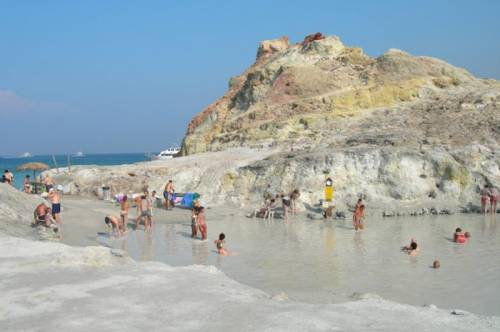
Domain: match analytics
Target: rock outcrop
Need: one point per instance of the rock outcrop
(16, 211)
(303, 93)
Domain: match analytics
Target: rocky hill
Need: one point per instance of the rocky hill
(322, 93)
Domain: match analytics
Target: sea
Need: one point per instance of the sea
(11, 163)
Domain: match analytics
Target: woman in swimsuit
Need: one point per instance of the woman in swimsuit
(220, 245)
(202, 225)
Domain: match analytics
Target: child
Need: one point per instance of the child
(220, 245)
(359, 214)
(114, 223)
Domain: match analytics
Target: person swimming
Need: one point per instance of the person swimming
(459, 236)
(412, 249)
(220, 245)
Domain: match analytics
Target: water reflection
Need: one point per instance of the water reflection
(326, 261)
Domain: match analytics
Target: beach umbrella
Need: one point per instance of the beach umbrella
(33, 167)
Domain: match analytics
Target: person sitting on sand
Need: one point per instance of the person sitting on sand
(50, 221)
(220, 245)
(412, 249)
(358, 216)
(114, 224)
(39, 213)
(124, 212)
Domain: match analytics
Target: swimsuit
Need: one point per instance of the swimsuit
(56, 208)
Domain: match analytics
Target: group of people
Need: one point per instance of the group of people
(489, 199)
(49, 216)
(288, 204)
(47, 181)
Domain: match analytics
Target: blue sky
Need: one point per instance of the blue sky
(127, 76)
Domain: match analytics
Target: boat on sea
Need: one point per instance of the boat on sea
(169, 153)
(26, 155)
(79, 154)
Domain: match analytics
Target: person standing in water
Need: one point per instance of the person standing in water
(202, 225)
(286, 203)
(124, 212)
(56, 205)
(294, 196)
(485, 199)
(494, 197)
(114, 223)
(359, 214)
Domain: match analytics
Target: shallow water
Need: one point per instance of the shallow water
(321, 262)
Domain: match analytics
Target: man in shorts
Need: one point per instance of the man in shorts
(168, 194)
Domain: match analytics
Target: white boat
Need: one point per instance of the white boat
(79, 154)
(26, 155)
(169, 153)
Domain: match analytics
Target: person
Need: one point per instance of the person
(294, 197)
(494, 197)
(271, 209)
(168, 194)
(49, 220)
(154, 199)
(459, 236)
(48, 182)
(412, 248)
(202, 225)
(194, 218)
(467, 235)
(436, 264)
(39, 213)
(358, 216)
(114, 224)
(267, 195)
(485, 198)
(144, 211)
(8, 177)
(27, 184)
(124, 212)
(286, 203)
(220, 245)
(56, 204)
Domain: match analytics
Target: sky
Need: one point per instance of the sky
(127, 76)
